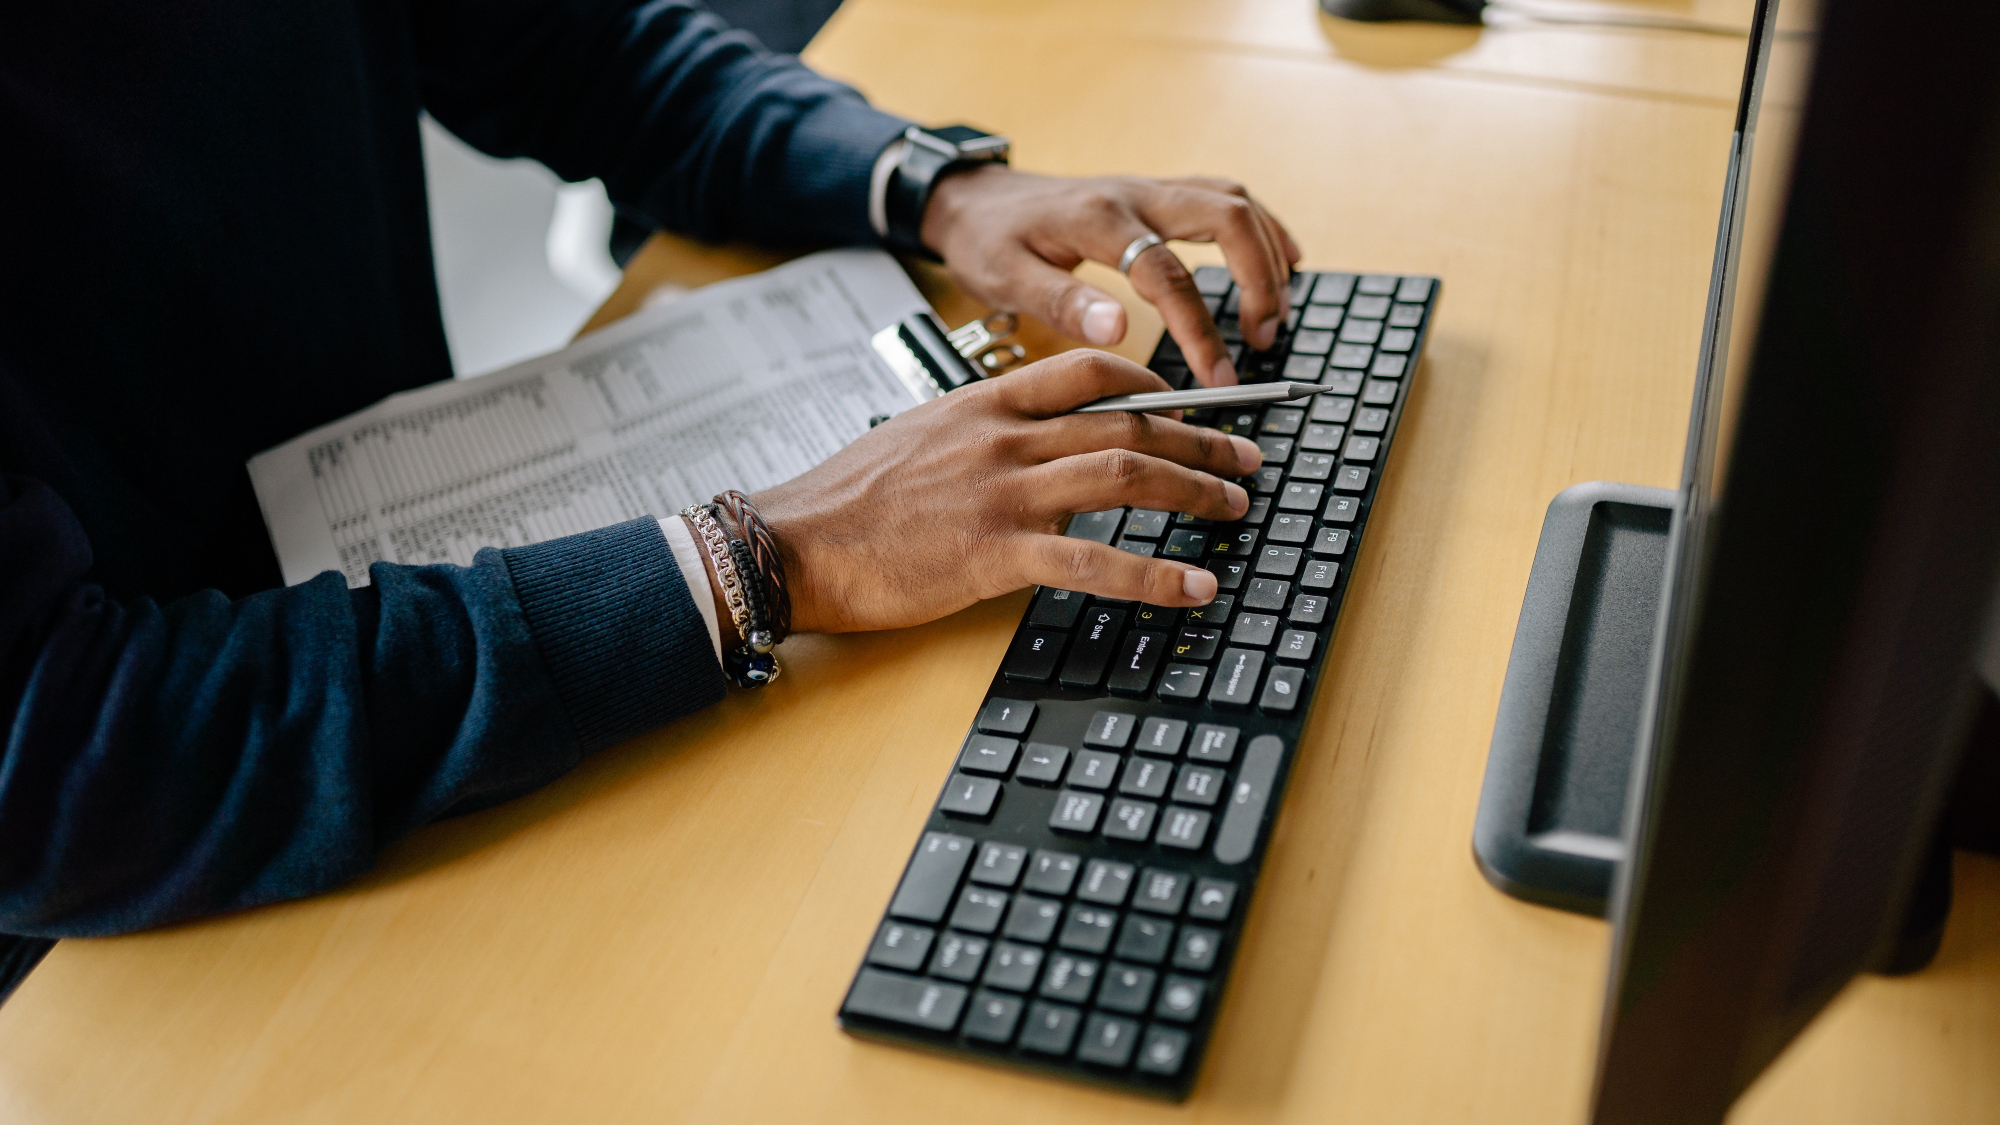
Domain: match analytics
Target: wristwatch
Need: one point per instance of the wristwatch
(929, 155)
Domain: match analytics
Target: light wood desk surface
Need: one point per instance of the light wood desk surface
(665, 934)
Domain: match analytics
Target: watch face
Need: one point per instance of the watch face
(971, 144)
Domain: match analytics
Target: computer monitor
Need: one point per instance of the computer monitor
(1831, 559)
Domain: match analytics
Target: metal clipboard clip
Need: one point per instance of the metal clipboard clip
(931, 360)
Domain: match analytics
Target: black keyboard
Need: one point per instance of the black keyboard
(1076, 899)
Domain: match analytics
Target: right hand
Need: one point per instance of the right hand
(965, 498)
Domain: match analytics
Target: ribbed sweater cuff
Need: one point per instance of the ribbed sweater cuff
(612, 619)
(831, 156)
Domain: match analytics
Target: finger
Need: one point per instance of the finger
(1159, 277)
(1061, 383)
(1196, 447)
(1078, 564)
(1120, 478)
(1223, 213)
(1026, 281)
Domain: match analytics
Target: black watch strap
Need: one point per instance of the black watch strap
(928, 154)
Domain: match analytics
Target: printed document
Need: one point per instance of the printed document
(742, 384)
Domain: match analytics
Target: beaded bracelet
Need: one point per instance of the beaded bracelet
(744, 665)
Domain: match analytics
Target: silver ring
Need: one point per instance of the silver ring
(1137, 247)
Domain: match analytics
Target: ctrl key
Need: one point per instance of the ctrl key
(920, 1003)
(1034, 655)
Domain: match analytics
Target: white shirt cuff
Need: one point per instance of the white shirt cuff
(878, 186)
(687, 555)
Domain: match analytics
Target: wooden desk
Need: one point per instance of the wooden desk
(665, 934)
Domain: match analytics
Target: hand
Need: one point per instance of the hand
(964, 498)
(1011, 239)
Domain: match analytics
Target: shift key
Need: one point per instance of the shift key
(931, 877)
(1096, 642)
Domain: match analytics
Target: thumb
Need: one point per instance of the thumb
(1082, 311)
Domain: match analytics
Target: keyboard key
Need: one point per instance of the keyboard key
(999, 864)
(1267, 593)
(1145, 939)
(1244, 814)
(1069, 978)
(1215, 612)
(1088, 929)
(1229, 575)
(979, 910)
(1096, 641)
(1162, 736)
(1414, 289)
(1377, 283)
(1126, 988)
(1361, 449)
(1398, 339)
(1350, 478)
(1324, 436)
(1372, 420)
(1236, 678)
(1144, 523)
(1163, 1051)
(1110, 729)
(1264, 481)
(1284, 420)
(1296, 644)
(985, 753)
(1105, 882)
(1235, 540)
(910, 1000)
(1333, 289)
(1076, 812)
(1130, 820)
(1014, 967)
(1043, 763)
(1237, 422)
(969, 796)
(1332, 409)
(1331, 541)
(1055, 609)
(1098, 527)
(1186, 520)
(1196, 949)
(1182, 681)
(1197, 644)
(1184, 544)
(1282, 562)
(1050, 1028)
(1313, 466)
(1180, 999)
(1281, 691)
(1200, 785)
(1108, 1040)
(1140, 547)
(1256, 629)
(1183, 828)
(1160, 892)
(1301, 497)
(1212, 899)
(1260, 507)
(1290, 527)
(1032, 919)
(1320, 317)
(1371, 307)
(1406, 316)
(1319, 575)
(1313, 340)
(1379, 392)
(1214, 743)
(1006, 716)
(1033, 656)
(1051, 872)
(1276, 450)
(933, 874)
(1389, 366)
(899, 946)
(1301, 284)
(1137, 661)
(1342, 383)
(1212, 281)
(1342, 509)
(1309, 609)
(1354, 354)
(992, 1017)
(958, 957)
(1145, 777)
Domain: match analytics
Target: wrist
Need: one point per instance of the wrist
(953, 197)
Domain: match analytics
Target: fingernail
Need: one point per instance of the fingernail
(1239, 500)
(1199, 585)
(1223, 374)
(1267, 332)
(1100, 322)
(1248, 456)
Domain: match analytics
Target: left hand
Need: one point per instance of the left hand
(1010, 239)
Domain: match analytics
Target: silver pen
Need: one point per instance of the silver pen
(1246, 395)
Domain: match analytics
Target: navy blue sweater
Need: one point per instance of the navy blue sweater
(212, 237)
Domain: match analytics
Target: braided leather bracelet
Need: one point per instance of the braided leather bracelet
(769, 564)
